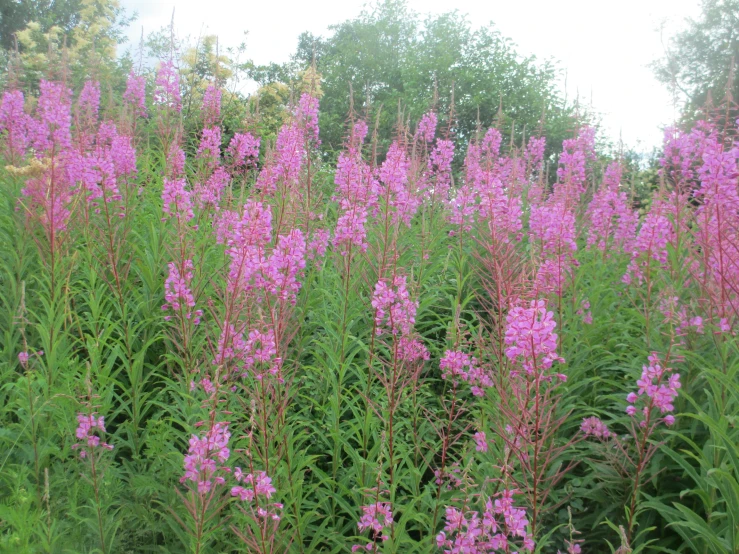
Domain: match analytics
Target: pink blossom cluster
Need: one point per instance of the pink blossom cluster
(253, 266)
(211, 109)
(456, 364)
(488, 190)
(14, 124)
(318, 245)
(395, 192)
(717, 221)
(209, 149)
(256, 485)
(657, 388)
(552, 225)
(244, 150)
(531, 339)
(135, 94)
(51, 131)
(24, 356)
(177, 292)
(535, 153)
(481, 441)
(206, 456)
(167, 87)
(612, 222)
(440, 168)
(377, 518)
(594, 427)
(427, 127)
(683, 152)
(572, 171)
(96, 162)
(356, 192)
(110, 161)
(651, 243)
(284, 165)
(501, 528)
(393, 306)
(88, 104)
(285, 265)
(176, 199)
(395, 312)
(86, 425)
(677, 314)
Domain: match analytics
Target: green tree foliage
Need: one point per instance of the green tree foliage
(15, 15)
(398, 63)
(79, 43)
(700, 62)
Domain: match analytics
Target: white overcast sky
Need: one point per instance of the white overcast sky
(605, 46)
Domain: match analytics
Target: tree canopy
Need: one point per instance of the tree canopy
(700, 62)
(399, 64)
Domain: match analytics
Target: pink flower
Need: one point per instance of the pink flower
(167, 87)
(481, 442)
(204, 455)
(427, 127)
(14, 124)
(135, 94)
(593, 426)
(176, 199)
(531, 337)
(178, 293)
(87, 423)
(211, 106)
(243, 149)
(376, 517)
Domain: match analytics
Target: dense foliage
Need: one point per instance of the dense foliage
(390, 57)
(699, 64)
(214, 343)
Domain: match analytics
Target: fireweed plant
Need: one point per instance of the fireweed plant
(213, 342)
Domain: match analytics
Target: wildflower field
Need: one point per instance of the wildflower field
(214, 341)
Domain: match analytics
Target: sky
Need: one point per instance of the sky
(604, 46)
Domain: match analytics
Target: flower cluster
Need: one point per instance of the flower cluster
(243, 149)
(176, 200)
(204, 456)
(87, 423)
(177, 292)
(651, 243)
(612, 222)
(377, 518)
(531, 339)
(14, 124)
(427, 127)
(657, 388)
(167, 87)
(594, 427)
(501, 527)
(459, 364)
(256, 485)
(396, 312)
(135, 94)
(397, 197)
(211, 109)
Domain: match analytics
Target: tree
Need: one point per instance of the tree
(399, 65)
(15, 15)
(700, 62)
